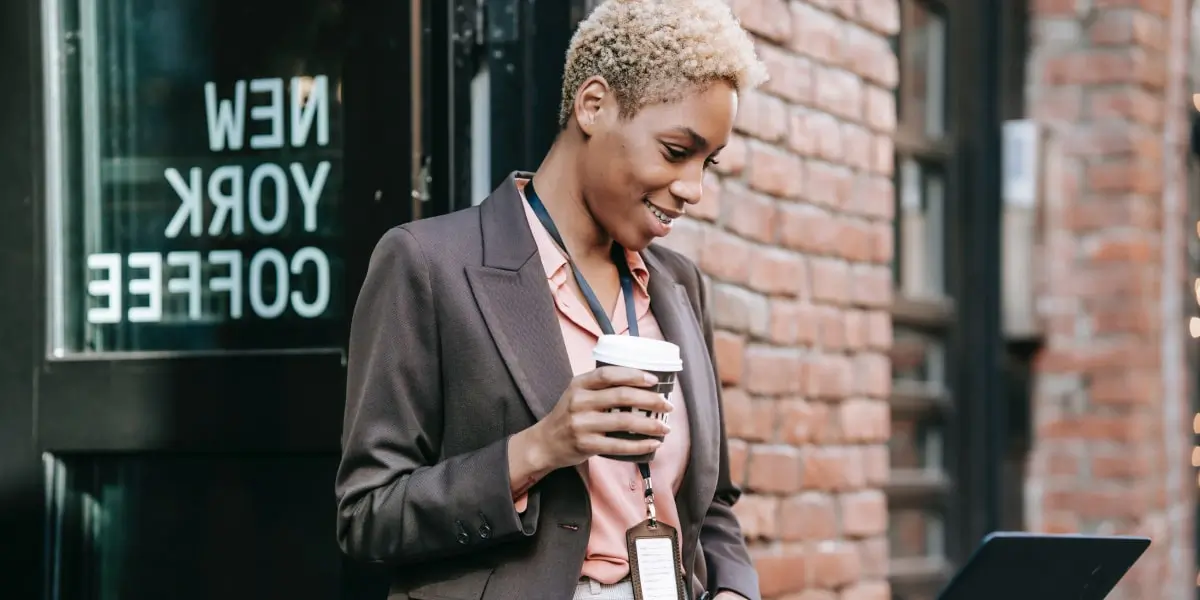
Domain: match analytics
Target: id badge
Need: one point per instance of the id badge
(654, 561)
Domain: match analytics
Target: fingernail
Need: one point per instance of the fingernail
(650, 379)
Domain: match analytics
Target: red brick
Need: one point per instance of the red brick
(1161, 8)
(830, 468)
(709, 207)
(816, 33)
(883, 16)
(725, 256)
(748, 214)
(739, 454)
(864, 513)
(865, 420)
(807, 228)
(883, 157)
(873, 553)
(839, 92)
(792, 323)
(1123, 177)
(814, 133)
(773, 171)
(730, 349)
(829, 377)
(858, 148)
(773, 371)
(808, 517)
(791, 76)
(831, 280)
(872, 197)
(870, 56)
(834, 565)
(762, 116)
(827, 184)
(739, 310)
(880, 109)
(1126, 103)
(781, 571)
(832, 328)
(868, 590)
(799, 420)
(758, 516)
(872, 375)
(1057, 103)
(732, 158)
(779, 272)
(687, 237)
(749, 419)
(871, 286)
(768, 18)
(879, 328)
(774, 470)
(1102, 67)
(877, 464)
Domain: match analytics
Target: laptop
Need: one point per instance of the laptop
(1037, 566)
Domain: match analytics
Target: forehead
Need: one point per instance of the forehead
(708, 112)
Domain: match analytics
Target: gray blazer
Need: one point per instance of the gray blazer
(455, 346)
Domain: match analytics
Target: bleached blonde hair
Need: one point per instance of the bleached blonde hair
(652, 51)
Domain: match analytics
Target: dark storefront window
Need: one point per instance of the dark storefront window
(191, 527)
(921, 484)
(194, 186)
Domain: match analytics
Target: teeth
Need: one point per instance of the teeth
(663, 218)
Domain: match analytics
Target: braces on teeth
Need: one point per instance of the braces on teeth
(664, 219)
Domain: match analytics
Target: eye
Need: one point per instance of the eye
(708, 162)
(675, 152)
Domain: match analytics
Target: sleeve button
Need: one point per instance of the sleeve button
(463, 537)
(485, 532)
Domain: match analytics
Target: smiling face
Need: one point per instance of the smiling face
(639, 173)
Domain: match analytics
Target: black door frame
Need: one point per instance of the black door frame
(269, 402)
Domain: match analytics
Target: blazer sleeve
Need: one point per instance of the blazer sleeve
(730, 567)
(399, 501)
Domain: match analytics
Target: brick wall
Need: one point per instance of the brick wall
(795, 232)
(1097, 78)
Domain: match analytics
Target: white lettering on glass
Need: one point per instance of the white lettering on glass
(278, 178)
(231, 283)
(321, 263)
(278, 264)
(108, 288)
(189, 285)
(272, 113)
(218, 201)
(151, 287)
(226, 120)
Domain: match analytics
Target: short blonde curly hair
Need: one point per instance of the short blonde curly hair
(652, 51)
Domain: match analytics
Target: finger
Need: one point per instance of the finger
(609, 376)
(624, 397)
(632, 422)
(601, 444)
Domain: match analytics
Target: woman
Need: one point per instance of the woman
(475, 417)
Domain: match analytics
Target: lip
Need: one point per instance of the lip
(672, 214)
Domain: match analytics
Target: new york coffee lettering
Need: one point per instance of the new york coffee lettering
(262, 200)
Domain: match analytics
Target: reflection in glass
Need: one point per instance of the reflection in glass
(916, 533)
(923, 52)
(136, 527)
(199, 175)
(920, 230)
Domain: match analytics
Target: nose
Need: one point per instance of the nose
(689, 188)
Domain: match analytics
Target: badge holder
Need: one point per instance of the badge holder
(654, 558)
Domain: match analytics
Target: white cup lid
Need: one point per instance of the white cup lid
(638, 352)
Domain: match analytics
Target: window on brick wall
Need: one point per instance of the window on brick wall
(920, 485)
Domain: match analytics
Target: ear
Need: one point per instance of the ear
(590, 100)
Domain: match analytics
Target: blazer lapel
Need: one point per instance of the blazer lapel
(677, 320)
(514, 298)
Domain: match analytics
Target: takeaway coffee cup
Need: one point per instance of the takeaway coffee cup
(657, 357)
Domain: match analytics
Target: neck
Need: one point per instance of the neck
(558, 186)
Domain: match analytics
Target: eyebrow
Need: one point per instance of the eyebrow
(697, 139)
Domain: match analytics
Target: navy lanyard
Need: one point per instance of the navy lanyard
(618, 258)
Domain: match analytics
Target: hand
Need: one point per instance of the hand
(574, 431)
(727, 595)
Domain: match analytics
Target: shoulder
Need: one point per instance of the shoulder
(452, 238)
(681, 268)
